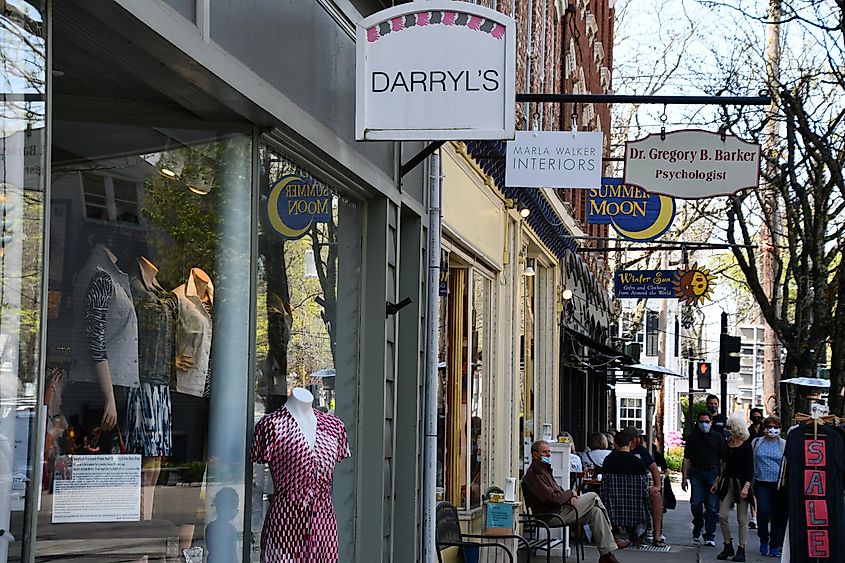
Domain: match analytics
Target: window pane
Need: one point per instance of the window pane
(147, 356)
(479, 350)
(23, 119)
(307, 235)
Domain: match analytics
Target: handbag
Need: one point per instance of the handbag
(669, 500)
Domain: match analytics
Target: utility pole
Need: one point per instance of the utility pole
(661, 359)
(769, 237)
(723, 374)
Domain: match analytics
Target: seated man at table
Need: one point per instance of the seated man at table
(625, 487)
(544, 496)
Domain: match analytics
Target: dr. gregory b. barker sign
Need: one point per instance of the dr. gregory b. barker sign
(438, 70)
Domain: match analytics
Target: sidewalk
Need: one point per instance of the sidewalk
(678, 530)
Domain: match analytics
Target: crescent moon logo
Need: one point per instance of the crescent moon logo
(276, 221)
(660, 225)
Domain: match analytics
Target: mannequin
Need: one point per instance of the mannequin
(194, 333)
(150, 406)
(192, 361)
(105, 348)
(299, 405)
(301, 447)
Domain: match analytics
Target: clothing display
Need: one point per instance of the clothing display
(157, 310)
(813, 475)
(149, 408)
(300, 525)
(109, 331)
(193, 334)
(148, 424)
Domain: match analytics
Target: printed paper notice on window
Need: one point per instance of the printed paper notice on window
(97, 488)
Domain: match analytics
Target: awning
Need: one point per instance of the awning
(652, 369)
(597, 346)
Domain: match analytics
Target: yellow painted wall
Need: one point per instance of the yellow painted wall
(470, 209)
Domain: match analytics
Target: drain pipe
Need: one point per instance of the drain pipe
(435, 189)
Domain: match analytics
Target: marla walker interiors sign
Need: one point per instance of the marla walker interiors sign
(692, 164)
(436, 70)
(554, 159)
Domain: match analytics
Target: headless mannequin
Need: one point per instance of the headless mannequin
(148, 272)
(151, 465)
(201, 280)
(109, 419)
(299, 405)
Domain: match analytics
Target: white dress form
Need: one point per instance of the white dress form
(299, 405)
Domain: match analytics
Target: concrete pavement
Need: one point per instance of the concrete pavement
(678, 531)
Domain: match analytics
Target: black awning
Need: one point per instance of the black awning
(602, 349)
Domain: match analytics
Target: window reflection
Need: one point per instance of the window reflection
(147, 376)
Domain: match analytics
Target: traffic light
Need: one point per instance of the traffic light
(705, 371)
(729, 347)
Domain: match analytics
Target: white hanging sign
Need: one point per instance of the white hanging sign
(554, 159)
(436, 70)
(692, 164)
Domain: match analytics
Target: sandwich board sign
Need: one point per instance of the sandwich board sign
(435, 70)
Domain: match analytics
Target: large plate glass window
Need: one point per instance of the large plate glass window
(147, 353)
(308, 283)
(23, 126)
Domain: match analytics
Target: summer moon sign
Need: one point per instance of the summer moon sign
(436, 70)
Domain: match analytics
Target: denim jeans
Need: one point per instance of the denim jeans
(765, 493)
(704, 505)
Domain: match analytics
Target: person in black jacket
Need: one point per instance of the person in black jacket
(702, 455)
(733, 486)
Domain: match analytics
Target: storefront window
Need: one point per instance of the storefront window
(23, 50)
(307, 237)
(464, 378)
(147, 380)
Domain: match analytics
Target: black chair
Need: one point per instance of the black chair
(537, 528)
(448, 534)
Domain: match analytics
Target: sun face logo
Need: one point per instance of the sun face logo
(694, 285)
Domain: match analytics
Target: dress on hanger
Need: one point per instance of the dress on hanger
(300, 525)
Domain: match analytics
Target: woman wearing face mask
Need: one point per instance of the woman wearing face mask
(733, 485)
(768, 453)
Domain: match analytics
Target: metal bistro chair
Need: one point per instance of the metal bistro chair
(448, 534)
(537, 527)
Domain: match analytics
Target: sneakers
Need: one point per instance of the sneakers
(696, 540)
(752, 524)
(764, 549)
(710, 543)
(775, 552)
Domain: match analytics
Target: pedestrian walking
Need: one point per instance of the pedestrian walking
(768, 454)
(733, 485)
(702, 456)
(754, 431)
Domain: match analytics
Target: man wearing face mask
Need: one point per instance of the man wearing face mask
(702, 457)
(544, 496)
(719, 419)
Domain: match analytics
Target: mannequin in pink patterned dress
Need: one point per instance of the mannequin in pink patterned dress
(301, 446)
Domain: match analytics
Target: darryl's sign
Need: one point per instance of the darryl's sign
(634, 213)
(437, 70)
